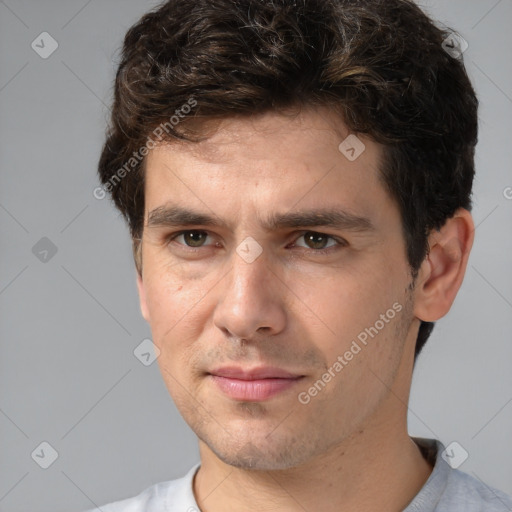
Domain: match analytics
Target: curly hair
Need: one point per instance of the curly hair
(379, 63)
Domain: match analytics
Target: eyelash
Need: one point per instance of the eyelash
(339, 241)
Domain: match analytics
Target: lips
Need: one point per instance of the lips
(255, 384)
(266, 372)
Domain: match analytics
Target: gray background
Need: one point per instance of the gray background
(69, 325)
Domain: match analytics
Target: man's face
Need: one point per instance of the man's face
(250, 329)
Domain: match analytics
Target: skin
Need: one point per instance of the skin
(298, 307)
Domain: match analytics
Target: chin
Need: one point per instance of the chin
(251, 458)
(259, 453)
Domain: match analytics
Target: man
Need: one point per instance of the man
(297, 181)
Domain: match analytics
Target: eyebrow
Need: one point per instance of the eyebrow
(173, 216)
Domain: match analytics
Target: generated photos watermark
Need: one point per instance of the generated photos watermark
(139, 155)
(356, 347)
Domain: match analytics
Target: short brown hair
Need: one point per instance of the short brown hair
(380, 63)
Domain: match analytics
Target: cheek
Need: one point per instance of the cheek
(366, 317)
(171, 304)
(350, 301)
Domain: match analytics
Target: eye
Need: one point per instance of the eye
(193, 238)
(315, 241)
(318, 241)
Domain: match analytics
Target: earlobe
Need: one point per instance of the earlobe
(142, 298)
(442, 272)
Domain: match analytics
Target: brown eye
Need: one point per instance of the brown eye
(193, 238)
(316, 240)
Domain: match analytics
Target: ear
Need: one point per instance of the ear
(142, 297)
(442, 272)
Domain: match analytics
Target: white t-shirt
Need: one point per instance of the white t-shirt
(446, 490)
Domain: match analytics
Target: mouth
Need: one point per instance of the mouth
(255, 385)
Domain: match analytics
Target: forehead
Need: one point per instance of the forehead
(269, 161)
(302, 135)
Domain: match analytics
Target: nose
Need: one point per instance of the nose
(251, 301)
